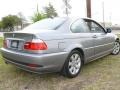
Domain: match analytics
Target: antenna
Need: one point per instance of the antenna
(103, 13)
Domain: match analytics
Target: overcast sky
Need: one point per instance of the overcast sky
(28, 7)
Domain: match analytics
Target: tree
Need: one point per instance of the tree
(38, 16)
(50, 11)
(1, 26)
(10, 21)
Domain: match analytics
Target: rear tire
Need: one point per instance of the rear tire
(73, 64)
(116, 48)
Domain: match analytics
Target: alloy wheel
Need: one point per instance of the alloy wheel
(74, 64)
(116, 48)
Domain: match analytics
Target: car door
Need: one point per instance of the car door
(101, 40)
(84, 37)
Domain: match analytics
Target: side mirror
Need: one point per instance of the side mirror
(108, 30)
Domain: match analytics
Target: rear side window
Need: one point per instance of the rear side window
(49, 24)
(79, 27)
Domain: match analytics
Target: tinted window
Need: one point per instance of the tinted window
(94, 27)
(79, 27)
(49, 24)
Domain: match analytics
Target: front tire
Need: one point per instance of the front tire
(116, 48)
(73, 64)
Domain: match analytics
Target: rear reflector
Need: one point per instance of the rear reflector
(35, 45)
(32, 65)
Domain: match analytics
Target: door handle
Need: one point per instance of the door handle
(94, 36)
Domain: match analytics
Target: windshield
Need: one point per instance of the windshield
(49, 24)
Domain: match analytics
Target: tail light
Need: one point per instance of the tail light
(35, 45)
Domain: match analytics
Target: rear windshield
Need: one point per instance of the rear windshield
(49, 24)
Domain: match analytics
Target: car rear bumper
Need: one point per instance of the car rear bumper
(46, 62)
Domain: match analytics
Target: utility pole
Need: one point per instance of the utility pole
(67, 7)
(110, 19)
(37, 8)
(103, 14)
(88, 6)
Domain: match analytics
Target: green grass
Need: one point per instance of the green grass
(102, 74)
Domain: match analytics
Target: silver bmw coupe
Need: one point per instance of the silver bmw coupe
(59, 45)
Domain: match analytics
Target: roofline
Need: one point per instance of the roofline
(88, 19)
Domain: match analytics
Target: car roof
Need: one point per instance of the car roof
(67, 17)
(75, 18)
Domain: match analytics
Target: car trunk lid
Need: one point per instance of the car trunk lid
(15, 41)
(24, 36)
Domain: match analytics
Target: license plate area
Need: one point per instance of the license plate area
(14, 44)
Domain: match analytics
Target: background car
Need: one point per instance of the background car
(59, 45)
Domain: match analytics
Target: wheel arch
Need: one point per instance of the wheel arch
(78, 47)
(117, 39)
(63, 72)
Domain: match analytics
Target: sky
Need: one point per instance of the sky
(28, 8)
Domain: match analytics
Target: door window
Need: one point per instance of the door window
(94, 27)
(79, 27)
